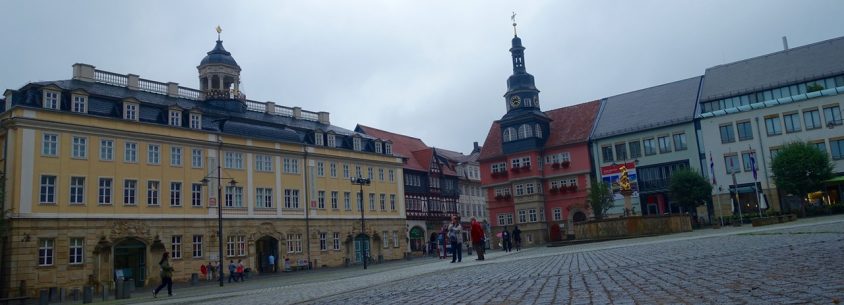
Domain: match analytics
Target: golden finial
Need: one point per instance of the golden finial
(513, 17)
(219, 30)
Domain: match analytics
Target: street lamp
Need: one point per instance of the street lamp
(362, 181)
(232, 183)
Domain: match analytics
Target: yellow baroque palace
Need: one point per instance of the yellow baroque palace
(104, 172)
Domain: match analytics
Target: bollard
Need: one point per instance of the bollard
(194, 279)
(87, 294)
(43, 297)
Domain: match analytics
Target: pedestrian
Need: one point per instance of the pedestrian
(166, 276)
(455, 236)
(212, 269)
(505, 240)
(441, 244)
(232, 269)
(477, 234)
(239, 269)
(203, 270)
(271, 260)
(517, 237)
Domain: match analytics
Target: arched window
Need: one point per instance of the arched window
(509, 134)
(538, 131)
(525, 131)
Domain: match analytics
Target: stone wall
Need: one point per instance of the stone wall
(632, 227)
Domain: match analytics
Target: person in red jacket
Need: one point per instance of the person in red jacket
(478, 238)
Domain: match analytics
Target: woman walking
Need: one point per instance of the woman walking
(166, 276)
(455, 236)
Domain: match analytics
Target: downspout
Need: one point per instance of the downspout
(307, 169)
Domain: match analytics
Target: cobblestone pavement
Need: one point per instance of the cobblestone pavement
(794, 263)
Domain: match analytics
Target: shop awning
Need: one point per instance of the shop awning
(839, 179)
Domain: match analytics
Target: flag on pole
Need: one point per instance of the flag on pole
(753, 165)
(712, 169)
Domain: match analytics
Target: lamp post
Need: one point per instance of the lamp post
(232, 183)
(362, 181)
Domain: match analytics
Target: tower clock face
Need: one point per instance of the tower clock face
(515, 101)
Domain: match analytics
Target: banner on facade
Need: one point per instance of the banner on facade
(610, 175)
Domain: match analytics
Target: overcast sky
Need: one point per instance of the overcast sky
(435, 70)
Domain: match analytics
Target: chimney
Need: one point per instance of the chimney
(476, 148)
(322, 117)
(84, 72)
(785, 43)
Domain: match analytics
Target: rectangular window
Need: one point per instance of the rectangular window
(664, 144)
(234, 196)
(333, 169)
(356, 144)
(230, 249)
(291, 199)
(380, 174)
(79, 148)
(731, 163)
(384, 241)
(745, 131)
(727, 133)
(371, 201)
(291, 166)
(357, 171)
(196, 158)
(558, 214)
(48, 189)
(820, 146)
(320, 168)
(391, 175)
(176, 246)
(650, 148)
(104, 194)
(130, 112)
(837, 148)
(331, 141)
(606, 152)
(234, 160)
(377, 147)
(321, 200)
(130, 153)
(522, 216)
(263, 197)
(392, 202)
(129, 191)
(175, 118)
(832, 115)
(812, 119)
(51, 100)
(792, 122)
(152, 192)
(323, 241)
(773, 125)
(176, 194)
(620, 151)
(241, 245)
(383, 202)
(153, 154)
(106, 150)
(395, 239)
(345, 171)
(745, 158)
(336, 241)
(359, 201)
(175, 156)
(77, 190)
(195, 121)
(388, 148)
(334, 199)
(680, 141)
(263, 163)
(196, 195)
(318, 139)
(50, 145)
(369, 173)
(294, 243)
(45, 251)
(197, 246)
(77, 251)
(532, 215)
(347, 204)
(80, 104)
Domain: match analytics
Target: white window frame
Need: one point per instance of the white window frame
(176, 156)
(196, 249)
(105, 191)
(130, 152)
(195, 120)
(263, 198)
(176, 193)
(233, 160)
(79, 103)
(196, 195)
(153, 193)
(336, 241)
(332, 140)
(263, 163)
(357, 144)
(51, 99)
(176, 247)
(318, 139)
(50, 144)
(76, 251)
(106, 149)
(153, 154)
(323, 242)
(46, 252)
(79, 147)
(196, 157)
(233, 196)
(77, 190)
(291, 198)
(131, 111)
(130, 192)
(175, 118)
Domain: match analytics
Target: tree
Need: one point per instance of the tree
(599, 199)
(800, 168)
(689, 189)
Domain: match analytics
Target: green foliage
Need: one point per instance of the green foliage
(800, 168)
(689, 189)
(599, 199)
(814, 87)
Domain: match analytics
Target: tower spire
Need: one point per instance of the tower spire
(513, 17)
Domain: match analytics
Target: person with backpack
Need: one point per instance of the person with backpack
(232, 269)
(166, 276)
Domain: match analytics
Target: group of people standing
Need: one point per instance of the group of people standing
(455, 239)
(507, 244)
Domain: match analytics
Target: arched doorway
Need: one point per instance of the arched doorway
(417, 239)
(579, 216)
(264, 247)
(130, 260)
(361, 247)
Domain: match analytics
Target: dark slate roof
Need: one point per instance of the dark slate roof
(809, 62)
(403, 146)
(219, 55)
(663, 105)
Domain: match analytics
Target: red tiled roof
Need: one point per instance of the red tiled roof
(568, 125)
(403, 146)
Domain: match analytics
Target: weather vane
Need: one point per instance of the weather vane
(513, 17)
(219, 30)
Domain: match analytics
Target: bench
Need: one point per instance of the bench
(21, 300)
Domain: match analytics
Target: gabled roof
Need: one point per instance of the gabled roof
(809, 62)
(648, 108)
(568, 125)
(403, 145)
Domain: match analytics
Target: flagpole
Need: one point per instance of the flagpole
(718, 210)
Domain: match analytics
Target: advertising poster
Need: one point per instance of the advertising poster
(611, 173)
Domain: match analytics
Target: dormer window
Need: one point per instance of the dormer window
(130, 111)
(388, 148)
(378, 147)
(79, 104)
(51, 99)
(331, 140)
(538, 131)
(356, 144)
(318, 139)
(175, 118)
(196, 121)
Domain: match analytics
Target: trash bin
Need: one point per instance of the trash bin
(194, 279)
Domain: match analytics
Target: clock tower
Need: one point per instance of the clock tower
(524, 126)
